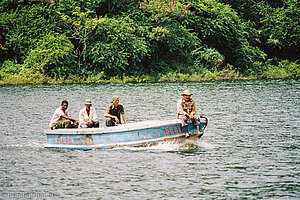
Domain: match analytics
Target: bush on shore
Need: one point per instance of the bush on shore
(85, 41)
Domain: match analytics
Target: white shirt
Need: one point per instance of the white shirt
(57, 116)
(84, 117)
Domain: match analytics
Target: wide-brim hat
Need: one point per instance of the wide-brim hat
(186, 92)
(88, 102)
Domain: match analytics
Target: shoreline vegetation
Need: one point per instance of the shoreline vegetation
(291, 71)
(134, 41)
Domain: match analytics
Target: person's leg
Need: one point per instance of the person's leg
(196, 123)
(110, 122)
(94, 124)
(59, 124)
(184, 125)
(70, 124)
(65, 124)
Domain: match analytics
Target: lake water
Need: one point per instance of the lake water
(250, 149)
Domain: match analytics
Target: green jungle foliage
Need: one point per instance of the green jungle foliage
(102, 41)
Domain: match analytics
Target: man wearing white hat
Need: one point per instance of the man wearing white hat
(87, 116)
(186, 109)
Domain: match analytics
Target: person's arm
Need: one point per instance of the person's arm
(112, 116)
(193, 110)
(180, 110)
(94, 115)
(70, 118)
(81, 118)
(106, 114)
(124, 118)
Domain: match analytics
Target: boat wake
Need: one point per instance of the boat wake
(34, 145)
(160, 146)
(204, 144)
(164, 146)
(173, 146)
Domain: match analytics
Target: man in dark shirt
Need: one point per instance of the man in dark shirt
(114, 112)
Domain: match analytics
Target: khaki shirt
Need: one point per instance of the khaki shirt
(186, 107)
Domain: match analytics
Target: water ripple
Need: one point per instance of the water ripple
(249, 151)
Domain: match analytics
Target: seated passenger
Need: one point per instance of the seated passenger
(113, 113)
(87, 116)
(61, 119)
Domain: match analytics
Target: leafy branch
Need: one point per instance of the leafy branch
(81, 25)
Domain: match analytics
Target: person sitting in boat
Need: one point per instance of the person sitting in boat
(61, 118)
(186, 109)
(114, 112)
(87, 116)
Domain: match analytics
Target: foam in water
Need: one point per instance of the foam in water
(25, 145)
(205, 144)
(160, 146)
(174, 146)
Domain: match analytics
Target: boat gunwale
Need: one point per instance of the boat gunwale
(113, 129)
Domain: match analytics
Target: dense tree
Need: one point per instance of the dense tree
(276, 24)
(57, 38)
(53, 56)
